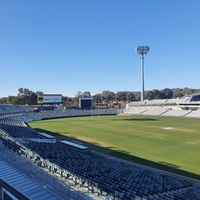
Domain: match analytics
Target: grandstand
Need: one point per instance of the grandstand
(105, 176)
(29, 115)
(187, 106)
(99, 173)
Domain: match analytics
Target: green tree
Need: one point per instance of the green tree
(130, 97)
(167, 93)
(149, 95)
(108, 95)
(120, 96)
(86, 94)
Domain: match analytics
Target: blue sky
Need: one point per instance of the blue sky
(66, 46)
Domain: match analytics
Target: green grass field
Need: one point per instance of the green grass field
(171, 144)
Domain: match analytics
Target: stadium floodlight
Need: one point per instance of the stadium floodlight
(142, 50)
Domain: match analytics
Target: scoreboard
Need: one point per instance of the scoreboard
(86, 103)
(49, 99)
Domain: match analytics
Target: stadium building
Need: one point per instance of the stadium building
(34, 165)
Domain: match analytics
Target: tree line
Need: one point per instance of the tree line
(27, 97)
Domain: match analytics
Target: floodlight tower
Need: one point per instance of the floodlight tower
(142, 50)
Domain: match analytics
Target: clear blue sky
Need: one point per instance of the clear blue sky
(66, 46)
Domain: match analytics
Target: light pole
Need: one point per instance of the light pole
(142, 50)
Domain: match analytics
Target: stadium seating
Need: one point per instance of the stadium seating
(182, 107)
(152, 108)
(99, 173)
(135, 110)
(155, 111)
(194, 114)
(156, 102)
(176, 113)
(112, 176)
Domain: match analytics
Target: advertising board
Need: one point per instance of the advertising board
(49, 98)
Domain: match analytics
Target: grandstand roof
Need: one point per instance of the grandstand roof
(194, 94)
(23, 185)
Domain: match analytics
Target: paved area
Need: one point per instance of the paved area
(63, 188)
